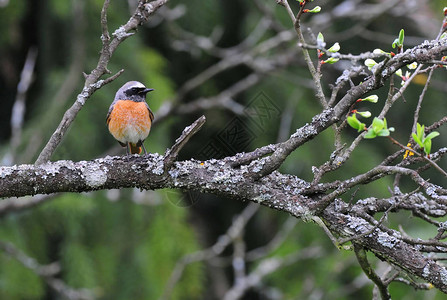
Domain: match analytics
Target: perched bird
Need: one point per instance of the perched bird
(130, 118)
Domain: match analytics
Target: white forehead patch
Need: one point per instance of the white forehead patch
(137, 85)
(126, 88)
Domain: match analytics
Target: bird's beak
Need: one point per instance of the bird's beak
(147, 90)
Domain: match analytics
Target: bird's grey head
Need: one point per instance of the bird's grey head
(132, 90)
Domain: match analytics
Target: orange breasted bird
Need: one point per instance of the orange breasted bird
(130, 118)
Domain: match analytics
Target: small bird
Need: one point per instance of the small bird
(129, 118)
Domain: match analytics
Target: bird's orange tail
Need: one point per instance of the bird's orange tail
(134, 149)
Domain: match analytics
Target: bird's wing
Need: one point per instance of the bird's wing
(151, 114)
(110, 111)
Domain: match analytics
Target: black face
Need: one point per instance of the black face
(132, 90)
(137, 94)
(136, 91)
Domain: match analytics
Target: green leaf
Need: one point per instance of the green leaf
(335, 48)
(355, 123)
(370, 63)
(384, 132)
(379, 51)
(377, 125)
(427, 146)
(399, 42)
(316, 9)
(372, 98)
(420, 131)
(320, 39)
(364, 114)
(352, 121)
(412, 66)
(331, 60)
(432, 135)
(370, 134)
(401, 37)
(417, 139)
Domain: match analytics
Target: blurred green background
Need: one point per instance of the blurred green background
(125, 244)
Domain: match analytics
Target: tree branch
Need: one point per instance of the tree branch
(172, 153)
(19, 107)
(47, 272)
(368, 270)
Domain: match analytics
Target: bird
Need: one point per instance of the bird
(129, 118)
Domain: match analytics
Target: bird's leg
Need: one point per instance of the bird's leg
(128, 149)
(144, 149)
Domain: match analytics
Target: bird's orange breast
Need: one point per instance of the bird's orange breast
(129, 121)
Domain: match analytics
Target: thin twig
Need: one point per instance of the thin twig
(368, 270)
(19, 107)
(222, 243)
(47, 272)
(11, 205)
(266, 267)
(104, 26)
(430, 161)
(310, 65)
(172, 153)
(421, 98)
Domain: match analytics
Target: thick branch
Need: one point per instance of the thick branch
(387, 245)
(278, 191)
